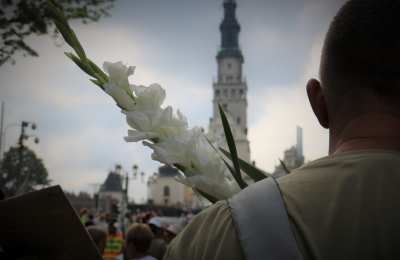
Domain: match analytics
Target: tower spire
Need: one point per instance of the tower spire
(230, 30)
(230, 89)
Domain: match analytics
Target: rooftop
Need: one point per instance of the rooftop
(112, 183)
(167, 171)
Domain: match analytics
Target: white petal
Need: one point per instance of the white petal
(135, 136)
(139, 121)
(120, 96)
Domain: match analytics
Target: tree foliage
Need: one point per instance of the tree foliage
(20, 19)
(20, 167)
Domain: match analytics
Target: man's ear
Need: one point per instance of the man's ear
(318, 102)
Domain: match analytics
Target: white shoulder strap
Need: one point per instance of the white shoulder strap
(262, 223)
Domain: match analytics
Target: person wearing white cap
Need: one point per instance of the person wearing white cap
(171, 231)
(158, 245)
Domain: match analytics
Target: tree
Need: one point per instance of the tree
(22, 18)
(21, 169)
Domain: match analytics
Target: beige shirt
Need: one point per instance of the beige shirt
(342, 207)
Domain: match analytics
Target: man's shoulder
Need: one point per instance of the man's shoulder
(340, 166)
(210, 235)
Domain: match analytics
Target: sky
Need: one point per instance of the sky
(172, 43)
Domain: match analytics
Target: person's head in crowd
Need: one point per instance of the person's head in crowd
(112, 229)
(156, 227)
(102, 217)
(360, 75)
(138, 240)
(90, 221)
(83, 212)
(147, 217)
(99, 237)
(171, 232)
(108, 217)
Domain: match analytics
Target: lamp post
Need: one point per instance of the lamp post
(1, 129)
(22, 137)
(3, 137)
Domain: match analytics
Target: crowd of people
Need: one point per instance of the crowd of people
(146, 237)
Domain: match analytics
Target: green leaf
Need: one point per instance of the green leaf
(62, 25)
(253, 172)
(284, 167)
(70, 37)
(82, 65)
(97, 82)
(232, 171)
(102, 76)
(232, 148)
(209, 197)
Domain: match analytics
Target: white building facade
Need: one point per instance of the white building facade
(164, 190)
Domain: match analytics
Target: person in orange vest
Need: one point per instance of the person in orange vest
(114, 244)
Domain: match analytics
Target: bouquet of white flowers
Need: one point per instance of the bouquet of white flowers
(214, 173)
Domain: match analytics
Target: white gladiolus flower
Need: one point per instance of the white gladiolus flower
(148, 98)
(148, 117)
(168, 134)
(160, 123)
(165, 132)
(119, 73)
(118, 85)
(201, 164)
(136, 136)
(177, 150)
(120, 96)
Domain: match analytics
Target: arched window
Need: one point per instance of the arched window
(166, 191)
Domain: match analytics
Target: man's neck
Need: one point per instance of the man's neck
(371, 131)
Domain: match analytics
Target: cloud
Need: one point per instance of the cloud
(81, 129)
(286, 107)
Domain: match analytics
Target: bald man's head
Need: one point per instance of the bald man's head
(361, 56)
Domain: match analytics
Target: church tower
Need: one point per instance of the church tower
(230, 88)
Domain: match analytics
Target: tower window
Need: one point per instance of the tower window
(229, 78)
(229, 66)
(225, 92)
(241, 92)
(233, 92)
(238, 120)
(217, 92)
(167, 191)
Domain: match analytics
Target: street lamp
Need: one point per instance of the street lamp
(35, 138)
(3, 137)
(23, 136)
(21, 139)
